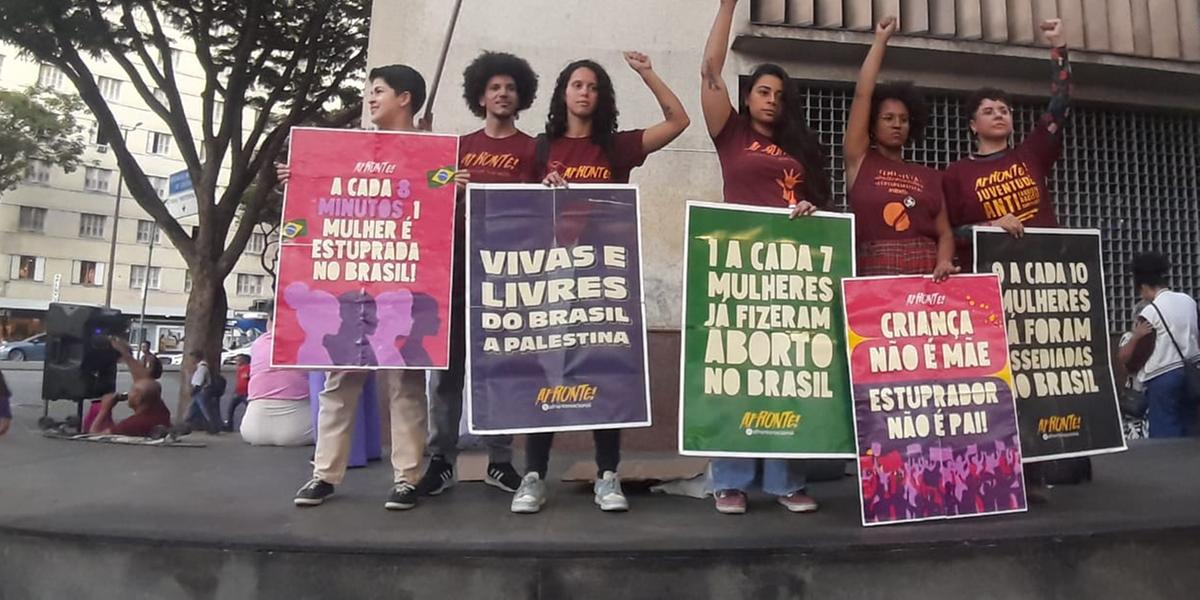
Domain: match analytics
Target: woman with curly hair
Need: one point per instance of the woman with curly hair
(497, 86)
(900, 213)
(769, 157)
(582, 145)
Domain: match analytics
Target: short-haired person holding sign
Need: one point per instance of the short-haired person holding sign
(394, 95)
(582, 145)
(899, 212)
(769, 157)
(1014, 193)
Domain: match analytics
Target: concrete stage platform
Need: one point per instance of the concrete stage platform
(84, 520)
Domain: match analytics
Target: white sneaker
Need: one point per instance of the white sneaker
(609, 496)
(530, 496)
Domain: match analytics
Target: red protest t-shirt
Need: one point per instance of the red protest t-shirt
(983, 188)
(579, 160)
(895, 200)
(143, 424)
(497, 160)
(755, 169)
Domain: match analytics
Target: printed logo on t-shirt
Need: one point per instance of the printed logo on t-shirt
(895, 214)
(1010, 190)
(491, 160)
(769, 150)
(787, 183)
(581, 172)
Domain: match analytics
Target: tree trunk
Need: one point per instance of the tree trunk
(203, 326)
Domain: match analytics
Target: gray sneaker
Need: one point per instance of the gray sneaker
(530, 496)
(609, 496)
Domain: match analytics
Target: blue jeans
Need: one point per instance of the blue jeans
(201, 409)
(776, 476)
(1169, 412)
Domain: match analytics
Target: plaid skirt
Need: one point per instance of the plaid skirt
(912, 256)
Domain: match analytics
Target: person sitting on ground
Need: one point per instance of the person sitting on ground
(145, 399)
(241, 390)
(5, 408)
(151, 361)
(278, 411)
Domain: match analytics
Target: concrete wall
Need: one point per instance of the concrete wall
(550, 34)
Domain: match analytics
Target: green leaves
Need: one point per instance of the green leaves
(37, 124)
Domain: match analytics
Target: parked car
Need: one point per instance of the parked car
(32, 348)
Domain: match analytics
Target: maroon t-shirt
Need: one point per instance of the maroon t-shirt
(755, 169)
(895, 200)
(497, 160)
(983, 188)
(142, 424)
(579, 160)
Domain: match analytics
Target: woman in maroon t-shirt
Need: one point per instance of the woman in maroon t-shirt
(769, 157)
(1005, 186)
(582, 145)
(898, 206)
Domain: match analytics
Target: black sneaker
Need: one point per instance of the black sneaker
(403, 497)
(438, 478)
(503, 476)
(313, 493)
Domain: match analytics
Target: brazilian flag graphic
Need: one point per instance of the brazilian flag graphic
(440, 177)
(294, 229)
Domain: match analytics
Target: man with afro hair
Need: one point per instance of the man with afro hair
(497, 86)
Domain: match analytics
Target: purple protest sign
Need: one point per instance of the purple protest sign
(555, 325)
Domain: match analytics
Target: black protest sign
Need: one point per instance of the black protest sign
(1055, 314)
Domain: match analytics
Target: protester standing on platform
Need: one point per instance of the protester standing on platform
(1004, 186)
(497, 87)
(1171, 318)
(241, 389)
(582, 145)
(277, 413)
(899, 212)
(769, 157)
(395, 95)
(5, 406)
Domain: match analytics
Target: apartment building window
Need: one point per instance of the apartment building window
(91, 226)
(249, 285)
(96, 180)
(87, 272)
(33, 219)
(28, 268)
(257, 243)
(146, 231)
(38, 172)
(110, 88)
(137, 277)
(187, 282)
(49, 76)
(160, 185)
(158, 143)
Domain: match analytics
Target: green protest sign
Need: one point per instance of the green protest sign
(763, 367)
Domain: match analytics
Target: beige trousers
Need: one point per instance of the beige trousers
(405, 391)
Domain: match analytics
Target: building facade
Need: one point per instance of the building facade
(1131, 164)
(57, 227)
